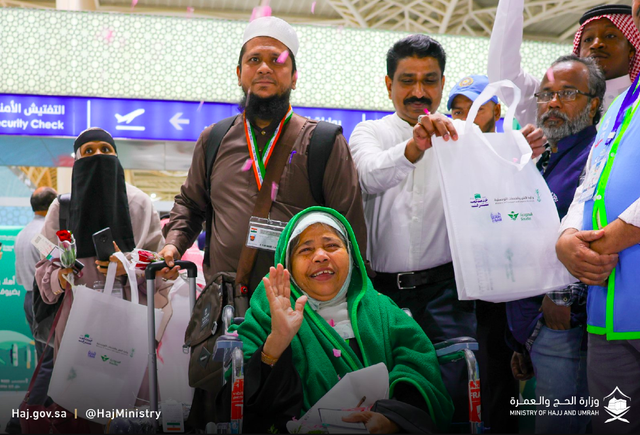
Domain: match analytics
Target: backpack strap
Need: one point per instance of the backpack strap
(63, 216)
(218, 132)
(320, 147)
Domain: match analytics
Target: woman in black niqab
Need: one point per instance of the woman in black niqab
(98, 193)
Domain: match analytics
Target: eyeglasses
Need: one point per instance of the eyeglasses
(564, 95)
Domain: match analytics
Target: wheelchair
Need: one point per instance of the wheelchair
(228, 350)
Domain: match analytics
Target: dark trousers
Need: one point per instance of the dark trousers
(436, 308)
(497, 383)
(40, 388)
(611, 365)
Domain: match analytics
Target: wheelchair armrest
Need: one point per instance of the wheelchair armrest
(453, 345)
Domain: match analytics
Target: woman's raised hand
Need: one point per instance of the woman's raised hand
(285, 320)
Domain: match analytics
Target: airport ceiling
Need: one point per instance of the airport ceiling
(544, 19)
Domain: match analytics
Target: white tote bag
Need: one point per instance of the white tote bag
(501, 218)
(104, 351)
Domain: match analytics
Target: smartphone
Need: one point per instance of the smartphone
(103, 242)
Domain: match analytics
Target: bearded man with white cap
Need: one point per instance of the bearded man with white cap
(226, 192)
(267, 74)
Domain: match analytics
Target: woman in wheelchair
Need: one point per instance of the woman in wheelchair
(318, 318)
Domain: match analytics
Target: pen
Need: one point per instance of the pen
(361, 401)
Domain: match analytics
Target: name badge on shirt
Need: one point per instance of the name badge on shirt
(264, 233)
(591, 181)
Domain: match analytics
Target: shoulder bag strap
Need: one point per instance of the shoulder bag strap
(263, 203)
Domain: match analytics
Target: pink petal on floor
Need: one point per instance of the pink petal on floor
(283, 57)
(274, 191)
(247, 165)
(550, 75)
(200, 106)
(313, 7)
(332, 322)
(337, 353)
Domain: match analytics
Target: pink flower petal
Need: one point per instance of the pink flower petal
(274, 191)
(247, 165)
(134, 3)
(283, 57)
(550, 76)
(338, 377)
(337, 353)
(332, 322)
(426, 111)
(200, 106)
(260, 11)
(313, 7)
(190, 10)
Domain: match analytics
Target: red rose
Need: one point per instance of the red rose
(145, 256)
(64, 236)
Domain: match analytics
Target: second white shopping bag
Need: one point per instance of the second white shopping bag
(104, 351)
(501, 218)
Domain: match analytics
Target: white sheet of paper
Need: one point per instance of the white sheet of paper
(333, 419)
(372, 383)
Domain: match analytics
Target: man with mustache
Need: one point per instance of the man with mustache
(606, 34)
(599, 244)
(550, 330)
(408, 243)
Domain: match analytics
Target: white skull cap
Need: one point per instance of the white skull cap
(275, 28)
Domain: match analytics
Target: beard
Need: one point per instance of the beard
(569, 126)
(489, 127)
(266, 109)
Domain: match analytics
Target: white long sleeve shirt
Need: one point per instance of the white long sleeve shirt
(575, 216)
(27, 255)
(505, 62)
(402, 201)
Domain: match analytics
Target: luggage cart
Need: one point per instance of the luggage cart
(462, 348)
(150, 425)
(150, 275)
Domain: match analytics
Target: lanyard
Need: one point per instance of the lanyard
(629, 99)
(623, 119)
(259, 161)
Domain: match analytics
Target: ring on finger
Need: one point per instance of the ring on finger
(420, 118)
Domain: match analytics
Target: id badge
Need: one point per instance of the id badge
(264, 233)
(591, 182)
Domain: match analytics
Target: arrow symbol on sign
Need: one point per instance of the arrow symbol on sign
(176, 121)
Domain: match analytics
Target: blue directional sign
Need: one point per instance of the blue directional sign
(34, 115)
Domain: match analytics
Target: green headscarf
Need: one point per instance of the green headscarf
(383, 331)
